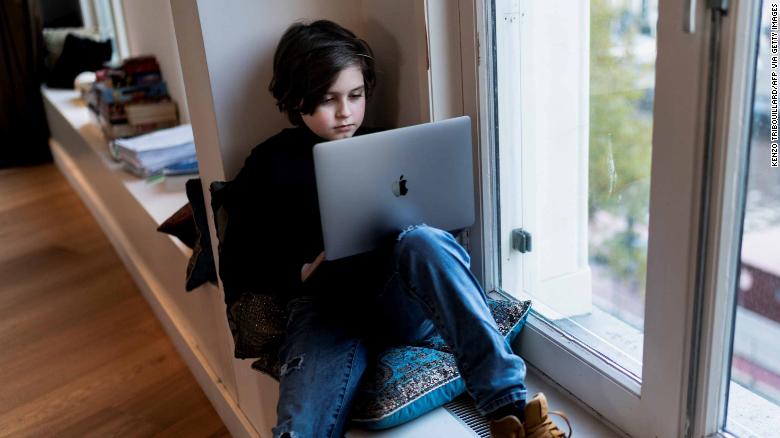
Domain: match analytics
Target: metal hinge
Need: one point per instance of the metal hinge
(689, 25)
(479, 59)
(719, 5)
(521, 240)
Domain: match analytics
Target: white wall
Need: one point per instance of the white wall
(396, 32)
(239, 52)
(149, 26)
(239, 45)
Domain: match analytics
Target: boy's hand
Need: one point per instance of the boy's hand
(309, 268)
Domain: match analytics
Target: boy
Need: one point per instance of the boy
(418, 284)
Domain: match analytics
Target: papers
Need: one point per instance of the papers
(151, 153)
(162, 139)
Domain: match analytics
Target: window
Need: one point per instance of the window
(593, 126)
(106, 16)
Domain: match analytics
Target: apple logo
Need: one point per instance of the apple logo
(399, 187)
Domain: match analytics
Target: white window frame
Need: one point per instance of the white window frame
(656, 406)
(739, 39)
(543, 97)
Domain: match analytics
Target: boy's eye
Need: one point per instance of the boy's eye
(326, 100)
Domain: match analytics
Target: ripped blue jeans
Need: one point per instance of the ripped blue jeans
(428, 288)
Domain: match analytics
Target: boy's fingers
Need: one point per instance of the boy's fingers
(309, 268)
(307, 271)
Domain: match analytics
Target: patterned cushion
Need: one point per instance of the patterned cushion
(257, 323)
(407, 382)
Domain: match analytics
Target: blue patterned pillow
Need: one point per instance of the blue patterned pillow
(409, 381)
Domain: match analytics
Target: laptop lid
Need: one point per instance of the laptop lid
(373, 186)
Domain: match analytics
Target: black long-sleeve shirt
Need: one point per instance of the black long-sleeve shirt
(273, 224)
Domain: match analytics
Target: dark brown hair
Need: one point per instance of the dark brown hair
(307, 61)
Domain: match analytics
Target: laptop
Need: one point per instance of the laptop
(373, 186)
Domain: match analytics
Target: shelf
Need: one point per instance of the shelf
(128, 209)
(160, 199)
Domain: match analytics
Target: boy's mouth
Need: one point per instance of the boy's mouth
(344, 127)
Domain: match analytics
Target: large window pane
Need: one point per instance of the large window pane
(622, 83)
(754, 395)
(575, 116)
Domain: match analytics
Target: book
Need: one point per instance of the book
(116, 131)
(110, 94)
(151, 112)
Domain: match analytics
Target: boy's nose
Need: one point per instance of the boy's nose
(343, 110)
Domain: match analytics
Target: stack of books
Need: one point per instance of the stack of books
(132, 99)
(142, 114)
(167, 151)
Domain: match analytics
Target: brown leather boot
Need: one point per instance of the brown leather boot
(538, 423)
(507, 427)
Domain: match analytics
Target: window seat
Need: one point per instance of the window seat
(128, 210)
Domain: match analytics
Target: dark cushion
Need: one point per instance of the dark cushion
(257, 321)
(190, 225)
(181, 225)
(54, 40)
(78, 55)
(200, 268)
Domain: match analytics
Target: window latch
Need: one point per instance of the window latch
(521, 240)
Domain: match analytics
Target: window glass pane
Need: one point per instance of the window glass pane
(575, 118)
(754, 392)
(105, 20)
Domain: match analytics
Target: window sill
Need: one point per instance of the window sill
(159, 200)
(584, 420)
(751, 415)
(440, 422)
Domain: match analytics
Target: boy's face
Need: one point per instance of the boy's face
(341, 111)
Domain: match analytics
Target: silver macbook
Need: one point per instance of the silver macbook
(373, 186)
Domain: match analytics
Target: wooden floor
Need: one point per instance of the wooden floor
(81, 353)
